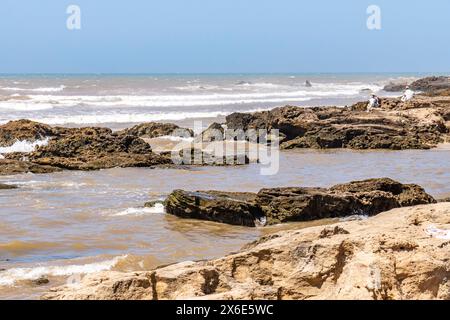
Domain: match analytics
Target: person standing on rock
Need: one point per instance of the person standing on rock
(374, 102)
(408, 94)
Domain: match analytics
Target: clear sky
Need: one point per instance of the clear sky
(224, 36)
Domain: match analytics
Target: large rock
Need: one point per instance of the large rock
(23, 130)
(277, 205)
(399, 254)
(155, 129)
(96, 148)
(226, 207)
(416, 124)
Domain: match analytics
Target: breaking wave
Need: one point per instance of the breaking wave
(12, 276)
(24, 146)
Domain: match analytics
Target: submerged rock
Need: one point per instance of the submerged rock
(96, 148)
(277, 205)
(7, 186)
(11, 167)
(392, 256)
(199, 157)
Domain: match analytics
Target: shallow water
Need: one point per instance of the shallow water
(67, 223)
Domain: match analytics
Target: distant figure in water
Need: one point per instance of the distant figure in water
(374, 102)
(407, 95)
(308, 84)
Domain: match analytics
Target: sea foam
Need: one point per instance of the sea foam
(24, 146)
(11, 276)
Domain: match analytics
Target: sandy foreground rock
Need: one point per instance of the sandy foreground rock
(399, 254)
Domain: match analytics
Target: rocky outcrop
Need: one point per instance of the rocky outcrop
(417, 124)
(428, 84)
(23, 130)
(11, 167)
(278, 205)
(96, 148)
(155, 129)
(400, 254)
(431, 84)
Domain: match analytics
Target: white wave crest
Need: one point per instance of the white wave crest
(24, 146)
(11, 276)
(157, 208)
(43, 89)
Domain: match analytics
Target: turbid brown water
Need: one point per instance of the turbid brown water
(63, 225)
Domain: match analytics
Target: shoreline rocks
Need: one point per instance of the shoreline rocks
(427, 84)
(96, 148)
(279, 205)
(397, 255)
(418, 124)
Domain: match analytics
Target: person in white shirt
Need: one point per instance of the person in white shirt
(407, 95)
(374, 102)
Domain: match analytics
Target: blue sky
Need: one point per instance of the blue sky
(224, 36)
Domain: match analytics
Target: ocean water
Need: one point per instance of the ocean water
(121, 100)
(64, 225)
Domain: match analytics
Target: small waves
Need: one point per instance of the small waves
(11, 276)
(41, 89)
(157, 208)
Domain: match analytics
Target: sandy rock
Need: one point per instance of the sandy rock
(277, 205)
(397, 254)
